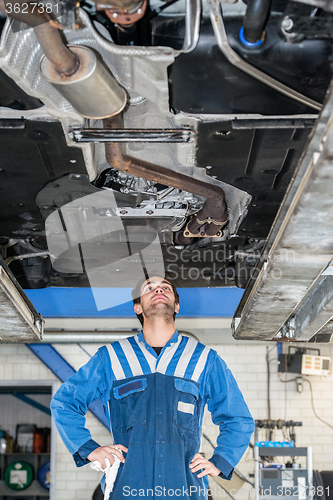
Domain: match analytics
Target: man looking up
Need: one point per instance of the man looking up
(154, 387)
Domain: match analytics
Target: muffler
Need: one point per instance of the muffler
(91, 89)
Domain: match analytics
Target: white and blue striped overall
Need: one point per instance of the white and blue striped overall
(155, 405)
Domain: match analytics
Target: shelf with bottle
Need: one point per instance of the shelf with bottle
(24, 475)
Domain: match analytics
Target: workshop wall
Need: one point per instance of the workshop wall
(18, 363)
(247, 361)
(12, 414)
(248, 364)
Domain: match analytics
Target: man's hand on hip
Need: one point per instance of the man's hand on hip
(199, 462)
(107, 452)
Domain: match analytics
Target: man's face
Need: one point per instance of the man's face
(157, 299)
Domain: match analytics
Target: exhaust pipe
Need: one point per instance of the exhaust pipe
(74, 71)
(90, 88)
(79, 76)
(63, 60)
(213, 215)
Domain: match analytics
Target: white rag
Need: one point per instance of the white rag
(110, 473)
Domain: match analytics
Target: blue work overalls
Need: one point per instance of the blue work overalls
(154, 405)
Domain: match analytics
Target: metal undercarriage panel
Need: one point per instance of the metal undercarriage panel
(291, 298)
(19, 319)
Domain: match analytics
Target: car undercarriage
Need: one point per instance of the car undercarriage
(187, 121)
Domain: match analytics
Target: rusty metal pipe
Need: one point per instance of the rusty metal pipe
(64, 60)
(214, 211)
(75, 71)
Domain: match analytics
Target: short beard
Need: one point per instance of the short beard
(153, 312)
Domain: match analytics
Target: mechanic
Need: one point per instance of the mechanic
(154, 387)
